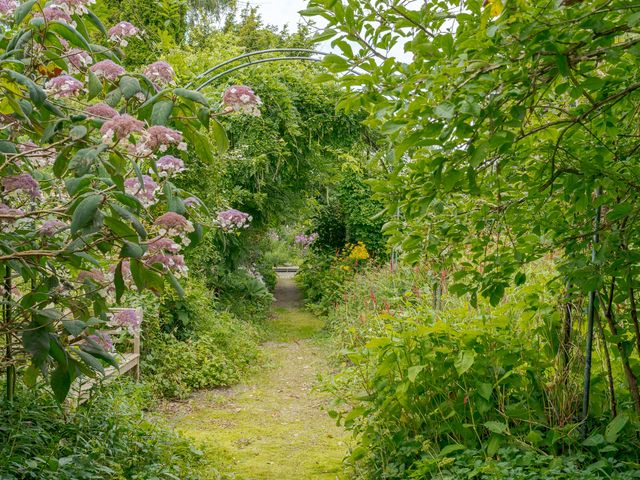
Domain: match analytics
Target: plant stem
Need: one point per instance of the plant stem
(6, 314)
(607, 359)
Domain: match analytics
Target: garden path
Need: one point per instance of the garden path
(274, 426)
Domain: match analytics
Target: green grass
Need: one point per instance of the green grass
(273, 427)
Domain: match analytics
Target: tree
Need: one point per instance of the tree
(513, 133)
(88, 208)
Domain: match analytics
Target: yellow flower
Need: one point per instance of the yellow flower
(358, 252)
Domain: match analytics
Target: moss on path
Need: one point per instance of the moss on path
(273, 427)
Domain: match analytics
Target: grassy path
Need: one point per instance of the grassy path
(274, 426)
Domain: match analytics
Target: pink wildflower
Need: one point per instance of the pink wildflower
(9, 214)
(7, 7)
(145, 192)
(173, 224)
(163, 244)
(232, 219)
(55, 13)
(120, 126)
(78, 59)
(160, 73)
(191, 202)
(169, 165)
(240, 98)
(103, 340)
(108, 69)
(37, 156)
(160, 138)
(94, 275)
(21, 183)
(169, 262)
(73, 7)
(101, 110)
(121, 32)
(63, 86)
(128, 318)
(52, 227)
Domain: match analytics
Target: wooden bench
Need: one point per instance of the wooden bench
(128, 360)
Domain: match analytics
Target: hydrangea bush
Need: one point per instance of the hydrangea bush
(87, 204)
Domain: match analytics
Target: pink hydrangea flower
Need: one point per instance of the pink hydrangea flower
(37, 156)
(168, 261)
(103, 340)
(126, 276)
(22, 183)
(55, 13)
(9, 214)
(240, 98)
(160, 73)
(173, 224)
(63, 86)
(101, 110)
(49, 228)
(78, 59)
(7, 7)
(169, 165)
(232, 219)
(163, 244)
(191, 202)
(74, 7)
(93, 275)
(145, 192)
(121, 32)
(128, 318)
(108, 69)
(120, 126)
(159, 138)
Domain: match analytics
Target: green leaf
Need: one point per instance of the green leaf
(91, 361)
(220, 136)
(95, 85)
(85, 212)
(74, 327)
(132, 250)
(129, 86)
(161, 112)
(60, 383)
(192, 95)
(69, 33)
(615, 427)
(464, 361)
(445, 110)
(496, 427)
(176, 285)
(96, 22)
(118, 281)
(413, 372)
(78, 132)
(594, 440)
(23, 10)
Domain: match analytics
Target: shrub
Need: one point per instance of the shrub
(432, 387)
(189, 344)
(107, 438)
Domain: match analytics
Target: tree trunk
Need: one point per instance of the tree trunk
(632, 380)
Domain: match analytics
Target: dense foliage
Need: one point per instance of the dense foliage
(512, 136)
(434, 388)
(107, 439)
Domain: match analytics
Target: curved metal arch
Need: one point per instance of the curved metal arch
(256, 62)
(252, 54)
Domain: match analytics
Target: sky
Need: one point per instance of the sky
(278, 12)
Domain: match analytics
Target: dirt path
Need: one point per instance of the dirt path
(273, 427)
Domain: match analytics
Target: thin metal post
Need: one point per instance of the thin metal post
(590, 322)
